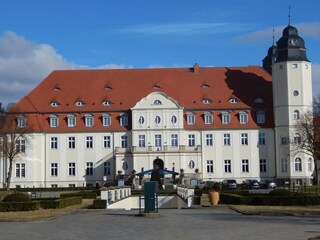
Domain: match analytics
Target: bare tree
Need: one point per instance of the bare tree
(308, 127)
(13, 140)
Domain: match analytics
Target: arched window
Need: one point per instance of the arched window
(173, 119)
(191, 164)
(243, 117)
(106, 120)
(89, 120)
(72, 120)
(208, 118)
(141, 120)
(298, 164)
(191, 118)
(157, 120)
(157, 102)
(296, 115)
(225, 117)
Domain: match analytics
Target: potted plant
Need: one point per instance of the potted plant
(214, 195)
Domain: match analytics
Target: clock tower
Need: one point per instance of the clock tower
(292, 97)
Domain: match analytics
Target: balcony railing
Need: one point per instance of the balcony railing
(151, 149)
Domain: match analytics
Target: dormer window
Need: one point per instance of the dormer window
(89, 120)
(157, 102)
(124, 119)
(208, 118)
(56, 88)
(233, 100)
(205, 86)
(261, 118)
(191, 118)
(106, 120)
(225, 117)
(72, 120)
(156, 86)
(206, 101)
(106, 103)
(259, 100)
(107, 87)
(21, 121)
(243, 117)
(80, 103)
(54, 121)
(55, 104)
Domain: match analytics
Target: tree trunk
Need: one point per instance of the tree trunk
(9, 174)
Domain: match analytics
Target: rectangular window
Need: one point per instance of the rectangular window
(284, 165)
(72, 169)
(89, 121)
(244, 138)
(208, 119)
(261, 118)
(191, 118)
(54, 121)
(263, 165)
(243, 117)
(174, 140)
(245, 165)
(20, 170)
(209, 166)
(106, 168)
(124, 120)
(191, 140)
(310, 164)
(21, 146)
(89, 142)
(209, 140)
(89, 169)
(283, 140)
(124, 141)
(71, 120)
(226, 118)
(294, 65)
(54, 143)
(21, 121)
(158, 141)
(227, 166)
(142, 141)
(72, 142)
(106, 120)
(106, 141)
(54, 169)
(262, 138)
(226, 139)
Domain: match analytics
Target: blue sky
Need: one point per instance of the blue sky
(39, 36)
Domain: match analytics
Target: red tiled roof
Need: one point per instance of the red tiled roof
(125, 87)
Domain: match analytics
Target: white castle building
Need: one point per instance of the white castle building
(226, 122)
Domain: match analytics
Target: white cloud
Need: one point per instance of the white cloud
(23, 64)
(184, 28)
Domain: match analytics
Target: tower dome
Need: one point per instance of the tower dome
(291, 46)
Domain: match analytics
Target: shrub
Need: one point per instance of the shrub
(18, 206)
(99, 204)
(84, 195)
(60, 203)
(280, 192)
(16, 197)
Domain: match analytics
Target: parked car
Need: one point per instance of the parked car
(229, 184)
(267, 184)
(251, 184)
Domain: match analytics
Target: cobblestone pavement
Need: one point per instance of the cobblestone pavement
(203, 223)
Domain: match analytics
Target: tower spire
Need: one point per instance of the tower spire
(289, 16)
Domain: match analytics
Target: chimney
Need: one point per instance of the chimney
(196, 68)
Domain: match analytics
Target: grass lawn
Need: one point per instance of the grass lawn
(276, 210)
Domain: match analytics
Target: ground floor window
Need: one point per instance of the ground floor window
(106, 168)
(20, 170)
(263, 165)
(72, 169)
(54, 169)
(227, 166)
(245, 165)
(209, 166)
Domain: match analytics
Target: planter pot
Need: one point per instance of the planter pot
(214, 197)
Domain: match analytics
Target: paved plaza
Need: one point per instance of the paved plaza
(203, 223)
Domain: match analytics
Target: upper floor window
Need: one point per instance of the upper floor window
(124, 119)
(80, 103)
(157, 120)
(226, 139)
(89, 142)
(54, 121)
(244, 138)
(284, 165)
(208, 118)
(261, 119)
(72, 120)
(173, 119)
(21, 146)
(191, 164)
(106, 120)
(243, 117)
(141, 120)
(191, 140)
(21, 121)
(225, 117)
(297, 138)
(298, 164)
(157, 102)
(89, 120)
(296, 114)
(191, 118)
(20, 170)
(262, 138)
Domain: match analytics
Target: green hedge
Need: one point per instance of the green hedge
(60, 203)
(84, 195)
(99, 204)
(19, 206)
(298, 200)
